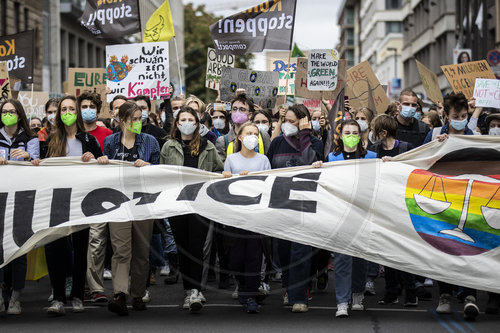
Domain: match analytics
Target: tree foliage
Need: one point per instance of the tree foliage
(197, 39)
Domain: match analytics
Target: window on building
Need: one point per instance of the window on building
(393, 27)
(26, 19)
(17, 14)
(3, 15)
(350, 37)
(349, 15)
(392, 4)
(350, 58)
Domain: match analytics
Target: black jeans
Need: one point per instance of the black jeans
(393, 279)
(190, 232)
(446, 288)
(58, 254)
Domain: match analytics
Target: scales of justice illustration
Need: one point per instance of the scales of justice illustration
(433, 206)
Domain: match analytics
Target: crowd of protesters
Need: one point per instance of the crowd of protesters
(234, 139)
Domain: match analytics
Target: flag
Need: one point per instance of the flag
(18, 52)
(335, 118)
(160, 26)
(266, 26)
(296, 52)
(111, 19)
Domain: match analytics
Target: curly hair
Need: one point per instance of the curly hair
(457, 101)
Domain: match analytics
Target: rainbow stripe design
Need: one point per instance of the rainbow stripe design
(453, 191)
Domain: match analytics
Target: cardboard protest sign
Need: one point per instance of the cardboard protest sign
(322, 70)
(215, 62)
(265, 26)
(260, 87)
(462, 77)
(33, 102)
(364, 89)
(4, 82)
(312, 105)
(138, 69)
(430, 83)
(487, 93)
(18, 51)
(283, 67)
(110, 19)
(301, 83)
(89, 79)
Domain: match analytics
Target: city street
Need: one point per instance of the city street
(223, 314)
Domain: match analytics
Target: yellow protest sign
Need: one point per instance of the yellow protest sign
(462, 77)
(430, 83)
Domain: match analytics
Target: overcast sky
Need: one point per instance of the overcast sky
(315, 23)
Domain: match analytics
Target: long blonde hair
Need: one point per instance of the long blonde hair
(237, 142)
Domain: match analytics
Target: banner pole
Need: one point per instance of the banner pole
(178, 64)
(287, 74)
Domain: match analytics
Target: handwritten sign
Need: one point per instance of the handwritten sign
(364, 89)
(138, 69)
(301, 82)
(261, 87)
(283, 67)
(462, 77)
(430, 83)
(215, 62)
(89, 79)
(4, 82)
(487, 93)
(322, 70)
(33, 103)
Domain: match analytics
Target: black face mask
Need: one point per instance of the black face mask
(36, 129)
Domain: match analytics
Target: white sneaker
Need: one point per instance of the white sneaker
(428, 283)
(51, 297)
(186, 301)
(77, 305)
(165, 270)
(444, 306)
(107, 274)
(342, 310)
(195, 303)
(357, 302)
(299, 308)
(56, 308)
(370, 287)
(202, 297)
(147, 297)
(14, 307)
(264, 288)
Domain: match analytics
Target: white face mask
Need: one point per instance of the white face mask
(51, 117)
(219, 123)
(251, 141)
(494, 131)
(289, 129)
(363, 125)
(187, 128)
(176, 113)
(163, 117)
(263, 128)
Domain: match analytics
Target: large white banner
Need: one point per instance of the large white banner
(433, 211)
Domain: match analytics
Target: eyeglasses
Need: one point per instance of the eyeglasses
(13, 112)
(241, 109)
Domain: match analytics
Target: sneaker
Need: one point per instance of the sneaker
(195, 303)
(87, 297)
(234, 295)
(152, 279)
(299, 308)
(493, 304)
(147, 297)
(69, 285)
(423, 294)
(107, 275)
(252, 306)
(411, 299)
(342, 310)
(370, 288)
(202, 297)
(138, 304)
(357, 302)
(56, 308)
(428, 283)
(118, 304)
(51, 296)
(276, 277)
(99, 297)
(264, 288)
(322, 283)
(444, 306)
(285, 299)
(388, 299)
(77, 305)
(186, 301)
(165, 270)
(14, 307)
(470, 309)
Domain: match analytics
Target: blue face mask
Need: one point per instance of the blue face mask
(89, 115)
(316, 126)
(144, 114)
(418, 116)
(458, 124)
(407, 112)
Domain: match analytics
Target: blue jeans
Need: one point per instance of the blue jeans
(295, 260)
(350, 276)
(169, 245)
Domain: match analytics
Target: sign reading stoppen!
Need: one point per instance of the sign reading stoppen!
(322, 70)
(138, 69)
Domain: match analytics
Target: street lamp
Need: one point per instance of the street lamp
(395, 60)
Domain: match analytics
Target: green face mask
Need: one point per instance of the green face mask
(135, 128)
(9, 119)
(68, 118)
(350, 140)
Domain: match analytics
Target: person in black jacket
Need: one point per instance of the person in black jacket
(68, 138)
(144, 103)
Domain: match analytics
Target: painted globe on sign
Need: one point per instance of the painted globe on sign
(116, 71)
(457, 215)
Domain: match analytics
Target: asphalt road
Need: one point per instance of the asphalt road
(223, 314)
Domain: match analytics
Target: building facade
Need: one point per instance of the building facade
(350, 26)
